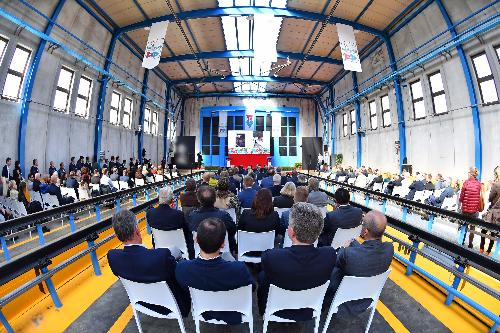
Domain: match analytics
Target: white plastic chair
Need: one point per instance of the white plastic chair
(150, 179)
(343, 235)
(116, 184)
(84, 195)
(378, 187)
(139, 182)
(253, 241)
(351, 181)
(238, 300)
(69, 192)
(419, 196)
(287, 241)
(281, 210)
(341, 179)
(49, 201)
(165, 239)
(437, 193)
(225, 249)
(401, 191)
(450, 203)
(35, 196)
(282, 299)
(349, 290)
(123, 185)
(232, 213)
(157, 293)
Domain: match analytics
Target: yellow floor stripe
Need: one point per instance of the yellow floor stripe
(122, 321)
(391, 319)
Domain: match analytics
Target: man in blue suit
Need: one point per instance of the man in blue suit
(344, 217)
(371, 258)
(140, 264)
(267, 182)
(247, 195)
(301, 266)
(165, 218)
(210, 272)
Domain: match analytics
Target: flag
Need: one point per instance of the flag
(348, 48)
(152, 53)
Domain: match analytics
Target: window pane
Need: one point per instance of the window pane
(385, 100)
(293, 151)
(12, 85)
(292, 131)
(65, 79)
(416, 91)
(230, 123)
(268, 122)
(283, 121)
(387, 118)
(3, 46)
(238, 120)
(84, 86)
(353, 128)
(215, 150)
(205, 150)
(282, 141)
(126, 120)
(482, 66)
(291, 121)
(115, 100)
(419, 109)
(292, 141)
(440, 104)
(282, 151)
(436, 83)
(373, 108)
(19, 60)
(283, 131)
(127, 106)
(61, 100)
(80, 107)
(113, 116)
(489, 91)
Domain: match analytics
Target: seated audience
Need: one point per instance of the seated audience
(429, 185)
(301, 180)
(95, 179)
(16, 173)
(344, 216)
(206, 197)
(370, 258)
(124, 177)
(54, 189)
(210, 272)
(71, 182)
(316, 197)
(6, 170)
(299, 267)
(106, 183)
(225, 199)
(267, 182)
(140, 264)
(13, 193)
(247, 195)
(166, 218)
(205, 178)
(448, 192)
(285, 200)
(294, 178)
(262, 217)
(37, 182)
(301, 194)
(114, 176)
(188, 198)
(417, 185)
(276, 188)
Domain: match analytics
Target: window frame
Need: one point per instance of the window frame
(68, 91)
(487, 78)
(147, 110)
(18, 74)
(154, 122)
(438, 93)
(6, 40)
(384, 111)
(111, 107)
(353, 121)
(86, 98)
(345, 128)
(416, 100)
(373, 115)
(129, 113)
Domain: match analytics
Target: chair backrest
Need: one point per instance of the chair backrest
(349, 289)
(351, 181)
(84, 195)
(150, 179)
(341, 179)
(231, 212)
(287, 241)
(450, 203)
(123, 185)
(68, 191)
(139, 182)
(254, 241)
(164, 239)
(437, 193)
(282, 299)
(239, 300)
(197, 247)
(157, 293)
(116, 184)
(378, 187)
(419, 196)
(50, 201)
(35, 196)
(281, 210)
(343, 235)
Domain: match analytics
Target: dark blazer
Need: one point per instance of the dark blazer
(248, 222)
(275, 190)
(72, 167)
(5, 172)
(267, 182)
(417, 185)
(198, 215)
(165, 218)
(294, 179)
(56, 190)
(34, 169)
(283, 201)
(214, 275)
(52, 170)
(234, 185)
(295, 268)
(139, 264)
(344, 217)
(36, 185)
(246, 197)
(371, 258)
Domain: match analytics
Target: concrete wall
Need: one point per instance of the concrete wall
(438, 143)
(55, 136)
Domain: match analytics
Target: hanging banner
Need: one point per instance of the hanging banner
(222, 124)
(249, 119)
(348, 48)
(266, 26)
(276, 124)
(152, 52)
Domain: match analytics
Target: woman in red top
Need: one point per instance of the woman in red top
(470, 197)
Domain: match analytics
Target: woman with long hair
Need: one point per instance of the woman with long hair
(261, 217)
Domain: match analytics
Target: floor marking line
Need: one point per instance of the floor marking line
(122, 321)
(391, 319)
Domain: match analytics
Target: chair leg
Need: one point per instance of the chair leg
(181, 324)
(264, 329)
(250, 325)
(316, 324)
(137, 321)
(328, 319)
(370, 319)
(197, 324)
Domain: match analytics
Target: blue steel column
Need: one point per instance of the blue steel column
(316, 119)
(357, 109)
(101, 101)
(168, 95)
(399, 103)
(29, 82)
(142, 106)
(334, 130)
(478, 147)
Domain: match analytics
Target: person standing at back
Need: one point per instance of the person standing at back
(493, 214)
(470, 197)
(248, 193)
(6, 170)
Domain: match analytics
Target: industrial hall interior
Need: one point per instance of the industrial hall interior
(229, 166)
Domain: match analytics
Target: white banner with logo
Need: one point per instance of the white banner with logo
(276, 124)
(156, 37)
(348, 48)
(249, 119)
(222, 124)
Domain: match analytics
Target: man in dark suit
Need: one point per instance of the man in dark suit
(53, 189)
(248, 193)
(344, 217)
(61, 173)
(417, 185)
(140, 264)
(72, 165)
(294, 179)
(206, 197)
(210, 272)
(80, 163)
(267, 182)
(301, 194)
(34, 168)
(165, 218)
(371, 258)
(276, 188)
(6, 171)
(301, 266)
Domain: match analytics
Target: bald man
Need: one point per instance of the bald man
(370, 258)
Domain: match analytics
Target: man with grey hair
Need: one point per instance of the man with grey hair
(140, 264)
(316, 197)
(371, 258)
(166, 218)
(301, 266)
